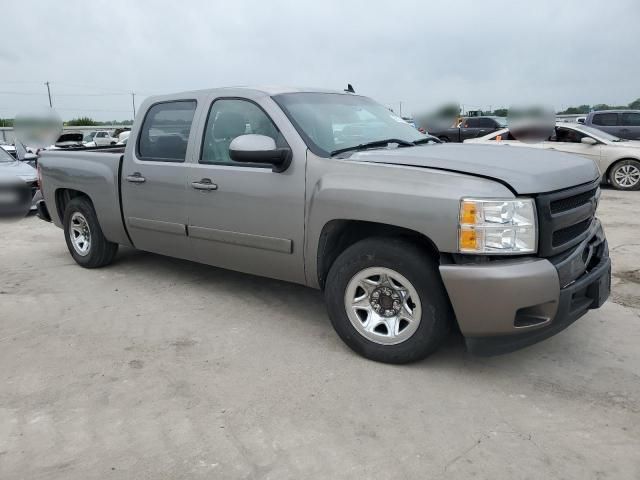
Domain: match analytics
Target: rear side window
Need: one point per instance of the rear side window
(165, 131)
(631, 119)
(486, 123)
(605, 119)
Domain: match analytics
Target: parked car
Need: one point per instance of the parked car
(618, 160)
(470, 127)
(10, 149)
(68, 140)
(122, 137)
(13, 168)
(621, 123)
(405, 236)
(99, 138)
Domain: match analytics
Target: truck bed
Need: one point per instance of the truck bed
(93, 171)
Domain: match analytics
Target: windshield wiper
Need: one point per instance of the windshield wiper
(377, 143)
(427, 139)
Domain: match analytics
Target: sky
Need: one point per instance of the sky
(424, 54)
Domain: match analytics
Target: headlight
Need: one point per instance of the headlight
(497, 226)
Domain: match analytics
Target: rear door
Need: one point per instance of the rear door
(471, 128)
(569, 140)
(630, 125)
(101, 139)
(153, 179)
(486, 126)
(607, 122)
(250, 218)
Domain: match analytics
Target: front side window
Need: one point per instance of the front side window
(332, 121)
(229, 118)
(605, 119)
(486, 123)
(165, 131)
(567, 135)
(631, 119)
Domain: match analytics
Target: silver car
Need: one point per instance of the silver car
(617, 159)
(10, 168)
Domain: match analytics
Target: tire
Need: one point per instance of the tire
(444, 139)
(95, 251)
(410, 268)
(625, 175)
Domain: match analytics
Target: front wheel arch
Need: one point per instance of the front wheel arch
(339, 234)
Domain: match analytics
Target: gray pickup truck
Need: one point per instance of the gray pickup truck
(406, 238)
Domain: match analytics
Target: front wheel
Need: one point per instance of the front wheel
(625, 175)
(85, 240)
(387, 302)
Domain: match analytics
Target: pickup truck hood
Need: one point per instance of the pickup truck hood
(525, 170)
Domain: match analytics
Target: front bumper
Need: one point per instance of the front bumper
(506, 305)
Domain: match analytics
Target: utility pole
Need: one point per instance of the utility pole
(400, 108)
(133, 102)
(49, 92)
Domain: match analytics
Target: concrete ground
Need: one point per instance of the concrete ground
(159, 368)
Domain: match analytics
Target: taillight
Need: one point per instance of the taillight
(39, 176)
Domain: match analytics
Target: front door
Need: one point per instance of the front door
(244, 216)
(153, 180)
(569, 140)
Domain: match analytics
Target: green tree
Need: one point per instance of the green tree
(6, 122)
(635, 104)
(83, 122)
(576, 110)
(501, 112)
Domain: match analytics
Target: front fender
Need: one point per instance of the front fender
(419, 199)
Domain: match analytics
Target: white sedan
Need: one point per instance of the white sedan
(617, 159)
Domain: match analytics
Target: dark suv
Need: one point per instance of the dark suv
(621, 123)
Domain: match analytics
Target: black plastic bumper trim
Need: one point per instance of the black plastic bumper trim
(588, 292)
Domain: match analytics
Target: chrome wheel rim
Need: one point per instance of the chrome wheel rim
(80, 234)
(627, 176)
(383, 306)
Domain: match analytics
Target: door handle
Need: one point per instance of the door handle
(205, 184)
(136, 178)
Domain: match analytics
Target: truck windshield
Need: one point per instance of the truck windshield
(333, 121)
(5, 157)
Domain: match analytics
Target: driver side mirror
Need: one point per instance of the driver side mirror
(588, 141)
(252, 148)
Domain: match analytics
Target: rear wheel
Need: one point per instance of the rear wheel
(625, 175)
(387, 302)
(85, 240)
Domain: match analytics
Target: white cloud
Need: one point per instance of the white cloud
(423, 53)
